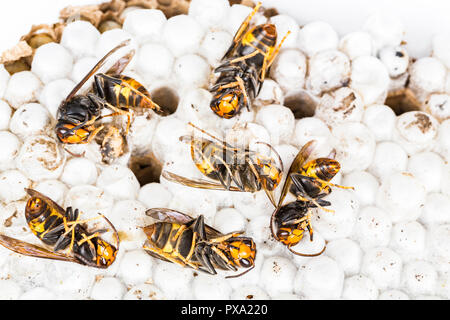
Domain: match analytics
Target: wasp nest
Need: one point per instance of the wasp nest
(360, 96)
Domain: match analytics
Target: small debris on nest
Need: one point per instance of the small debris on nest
(114, 145)
(422, 121)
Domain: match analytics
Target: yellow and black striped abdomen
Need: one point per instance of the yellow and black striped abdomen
(131, 94)
(122, 91)
(42, 218)
(173, 239)
(321, 168)
(263, 38)
(207, 156)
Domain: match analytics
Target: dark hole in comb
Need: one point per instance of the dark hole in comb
(402, 101)
(166, 98)
(146, 168)
(301, 104)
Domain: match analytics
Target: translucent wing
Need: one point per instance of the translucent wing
(168, 215)
(221, 142)
(196, 183)
(173, 216)
(118, 66)
(32, 250)
(272, 222)
(298, 162)
(157, 256)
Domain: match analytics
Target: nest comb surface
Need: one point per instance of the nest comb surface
(103, 16)
(108, 15)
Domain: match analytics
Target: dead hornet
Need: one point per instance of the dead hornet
(250, 171)
(244, 67)
(63, 230)
(79, 114)
(309, 182)
(181, 239)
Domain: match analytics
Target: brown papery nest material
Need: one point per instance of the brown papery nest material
(108, 16)
(104, 16)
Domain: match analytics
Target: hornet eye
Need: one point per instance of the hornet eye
(245, 263)
(283, 233)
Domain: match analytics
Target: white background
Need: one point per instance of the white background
(422, 18)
